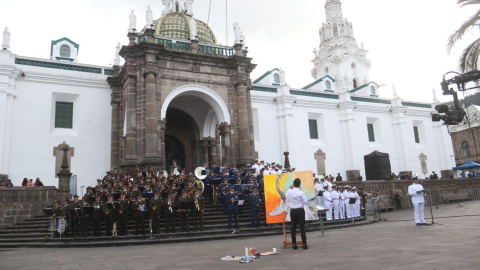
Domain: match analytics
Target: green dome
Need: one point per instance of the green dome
(177, 25)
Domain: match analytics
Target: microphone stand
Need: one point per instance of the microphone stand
(431, 209)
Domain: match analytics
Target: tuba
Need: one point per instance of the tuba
(200, 174)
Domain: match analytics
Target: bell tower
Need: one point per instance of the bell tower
(339, 55)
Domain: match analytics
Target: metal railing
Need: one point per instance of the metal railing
(440, 195)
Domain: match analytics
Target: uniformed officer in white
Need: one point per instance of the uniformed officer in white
(336, 201)
(416, 190)
(327, 202)
(341, 206)
(349, 206)
(257, 166)
(318, 187)
(356, 206)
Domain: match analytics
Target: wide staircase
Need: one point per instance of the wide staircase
(33, 232)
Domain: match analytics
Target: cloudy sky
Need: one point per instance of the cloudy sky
(407, 39)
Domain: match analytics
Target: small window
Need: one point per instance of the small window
(312, 124)
(65, 51)
(328, 86)
(371, 133)
(415, 133)
(335, 30)
(326, 70)
(465, 150)
(63, 115)
(372, 90)
(355, 85)
(276, 78)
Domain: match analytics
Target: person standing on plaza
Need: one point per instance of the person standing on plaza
(296, 200)
(398, 201)
(416, 190)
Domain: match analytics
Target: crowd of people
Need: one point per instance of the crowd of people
(341, 202)
(25, 183)
(143, 194)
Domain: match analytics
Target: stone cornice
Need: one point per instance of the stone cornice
(66, 80)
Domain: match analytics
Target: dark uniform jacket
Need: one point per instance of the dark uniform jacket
(201, 203)
(157, 203)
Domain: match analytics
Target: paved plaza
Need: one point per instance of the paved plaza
(395, 244)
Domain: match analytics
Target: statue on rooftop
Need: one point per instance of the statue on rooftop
(133, 22)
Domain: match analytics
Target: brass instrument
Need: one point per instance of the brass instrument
(170, 207)
(196, 204)
(114, 229)
(200, 174)
(214, 194)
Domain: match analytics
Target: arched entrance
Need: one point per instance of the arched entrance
(174, 151)
(193, 115)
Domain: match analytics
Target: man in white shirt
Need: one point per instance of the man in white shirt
(416, 191)
(296, 201)
(318, 187)
(257, 166)
(327, 202)
(336, 202)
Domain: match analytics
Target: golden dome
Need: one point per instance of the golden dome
(177, 25)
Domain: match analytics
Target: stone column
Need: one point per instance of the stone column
(6, 134)
(205, 150)
(243, 124)
(151, 139)
(163, 126)
(131, 138)
(114, 162)
(228, 152)
(64, 176)
(131, 38)
(212, 150)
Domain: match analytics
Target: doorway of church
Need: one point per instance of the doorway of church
(174, 151)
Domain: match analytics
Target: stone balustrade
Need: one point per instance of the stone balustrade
(20, 203)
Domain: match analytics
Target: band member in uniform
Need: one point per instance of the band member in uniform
(89, 196)
(239, 191)
(123, 208)
(97, 216)
(84, 219)
(170, 210)
(224, 189)
(183, 206)
(232, 207)
(336, 202)
(190, 189)
(109, 216)
(101, 193)
(66, 214)
(139, 208)
(198, 208)
(254, 201)
(155, 206)
(75, 219)
(135, 192)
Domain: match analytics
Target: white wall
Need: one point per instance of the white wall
(34, 135)
(331, 139)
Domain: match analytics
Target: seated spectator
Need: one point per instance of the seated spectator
(9, 183)
(38, 183)
(30, 183)
(2, 184)
(25, 182)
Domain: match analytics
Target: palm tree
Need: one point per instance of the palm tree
(470, 56)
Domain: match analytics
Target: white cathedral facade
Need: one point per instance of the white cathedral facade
(327, 126)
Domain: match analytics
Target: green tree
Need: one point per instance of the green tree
(469, 59)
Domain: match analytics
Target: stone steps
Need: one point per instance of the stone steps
(34, 242)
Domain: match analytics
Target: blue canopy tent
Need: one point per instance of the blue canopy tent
(467, 166)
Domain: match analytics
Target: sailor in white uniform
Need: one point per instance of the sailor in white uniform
(336, 201)
(416, 190)
(318, 187)
(327, 202)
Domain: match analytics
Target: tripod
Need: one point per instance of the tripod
(151, 231)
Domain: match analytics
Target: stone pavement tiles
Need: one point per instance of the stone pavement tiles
(395, 244)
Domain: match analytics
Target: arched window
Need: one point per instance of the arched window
(465, 150)
(328, 86)
(372, 90)
(65, 51)
(355, 85)
(276, 78)
(335, 30)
